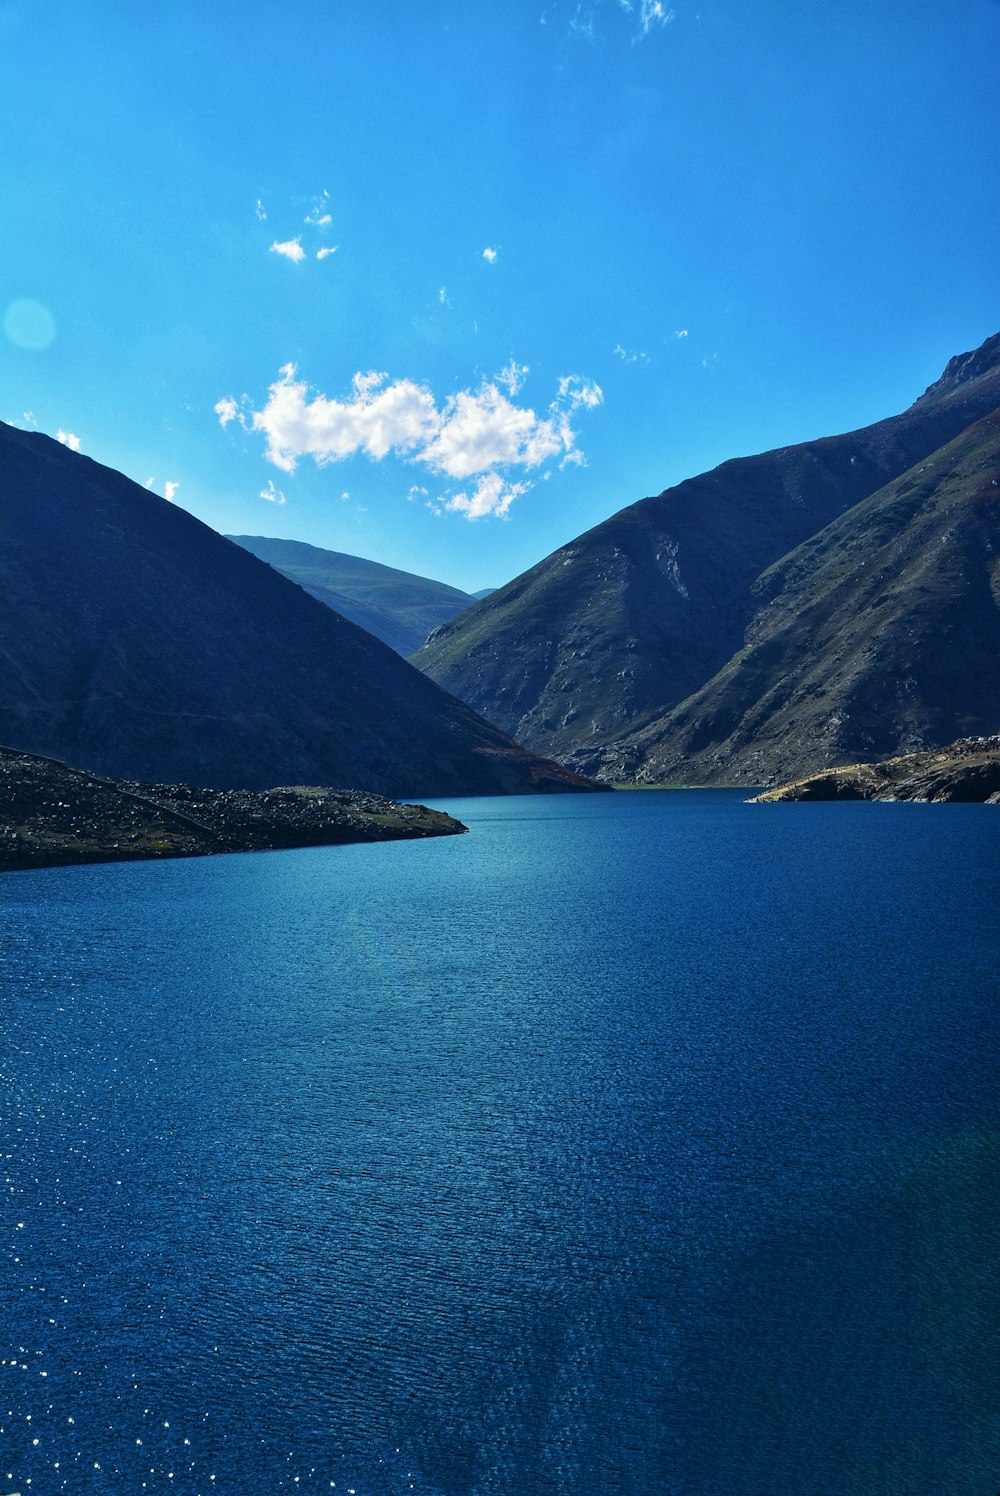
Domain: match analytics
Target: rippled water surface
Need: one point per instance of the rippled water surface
(639, 1143)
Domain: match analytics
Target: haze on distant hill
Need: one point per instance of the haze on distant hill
(814, 605)
(397, 607)
(137, 642)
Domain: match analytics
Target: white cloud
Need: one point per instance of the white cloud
(149, 482)
(443, 297)
(491, 495)
(513, 376)
(346, 494)
(169, 489)
(290, 248)
(489, 254)
(473, 434)
(68, 439)
(226, 409)
(482, 429)
(374, 420)
(271, 494)
(260, 210)
(331, 249)
(681, 332)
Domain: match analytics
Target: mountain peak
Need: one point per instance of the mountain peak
(965, 367)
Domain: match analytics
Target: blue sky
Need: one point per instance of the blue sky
(446, 284)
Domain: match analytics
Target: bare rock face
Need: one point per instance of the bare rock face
(139, 643)
(966, 772)
(771, 616)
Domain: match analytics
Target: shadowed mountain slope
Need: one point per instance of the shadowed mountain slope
(397, 607)
(136, 642)
(610, 633)
(879, 635)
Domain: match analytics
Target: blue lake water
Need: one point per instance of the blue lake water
(642, 1143)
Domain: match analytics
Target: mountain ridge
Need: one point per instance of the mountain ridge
(136, 642)
(399, 607)
(622, 625)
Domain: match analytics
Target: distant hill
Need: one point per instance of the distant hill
(136, 642)
(669, 642)
(397, 607)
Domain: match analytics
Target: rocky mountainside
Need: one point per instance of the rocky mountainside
(878, 635)
(615, 652)
(397, 607)
(54, 816)
(137, 642)
(967, 772)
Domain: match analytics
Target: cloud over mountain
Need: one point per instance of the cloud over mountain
(473, 434)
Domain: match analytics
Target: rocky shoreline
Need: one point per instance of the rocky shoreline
(55, 816)
(965, 772)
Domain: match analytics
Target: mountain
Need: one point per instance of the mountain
(879, 635)
(136, 642)
(397, 607)
(644, 650)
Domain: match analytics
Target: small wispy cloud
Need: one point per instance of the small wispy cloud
(169, 490)
(443, 297)
(575, 391)
(226, 409)
(68, 439)
(491, 495)
(271, 494)
(489, 255)
(290, 248)
(681, 332)
(650, 13)
(631, 355)
(330, 249)
(319, 215)
(261, 211)
(582, 22)
(513, 376)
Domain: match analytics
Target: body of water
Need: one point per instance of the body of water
(642, 1143)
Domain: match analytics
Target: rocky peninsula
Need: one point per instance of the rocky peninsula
(55, 816)
(967, 771)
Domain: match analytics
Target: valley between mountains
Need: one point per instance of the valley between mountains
(835, 602)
